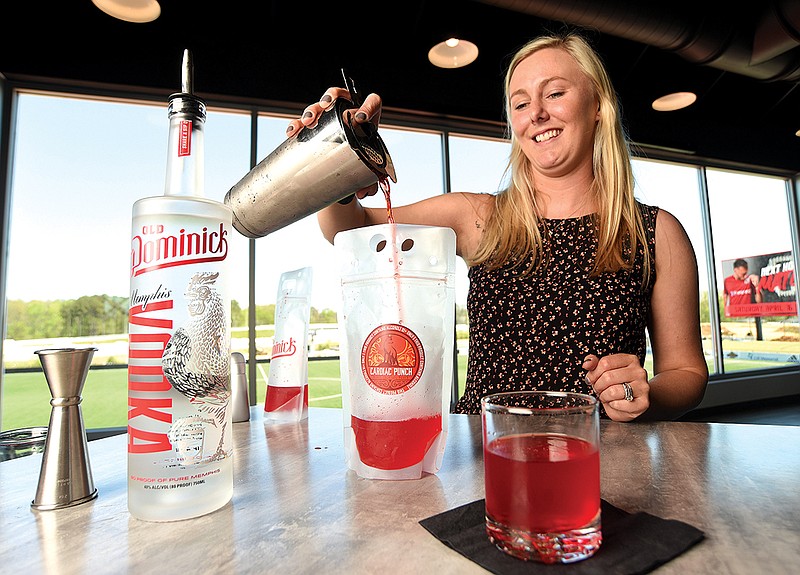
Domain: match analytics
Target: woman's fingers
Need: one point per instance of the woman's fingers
(369, 111)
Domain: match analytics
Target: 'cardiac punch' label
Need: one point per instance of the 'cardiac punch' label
(392, 359)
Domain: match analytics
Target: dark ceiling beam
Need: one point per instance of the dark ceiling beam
(711, 41)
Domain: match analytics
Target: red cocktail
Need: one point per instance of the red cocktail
(542, 475)
(542, 482)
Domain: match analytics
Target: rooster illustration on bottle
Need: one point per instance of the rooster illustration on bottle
(196, 359)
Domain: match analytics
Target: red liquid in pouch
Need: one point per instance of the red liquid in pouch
(395, 444)
(286, 399)
(542, 482)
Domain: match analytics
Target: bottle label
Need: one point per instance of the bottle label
(185, 138)
(179, 344)
(156, 247)
(283, 348)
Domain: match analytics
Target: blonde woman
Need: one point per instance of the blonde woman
(566, 268)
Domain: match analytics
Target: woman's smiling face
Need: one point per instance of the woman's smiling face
(554, 112)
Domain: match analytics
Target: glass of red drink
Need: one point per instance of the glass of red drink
(542, 474)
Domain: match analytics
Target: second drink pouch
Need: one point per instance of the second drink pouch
(287, 386)
(397, 332)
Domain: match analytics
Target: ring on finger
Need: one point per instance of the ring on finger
(628, 391)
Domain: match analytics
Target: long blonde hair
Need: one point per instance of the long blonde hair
(512, 230)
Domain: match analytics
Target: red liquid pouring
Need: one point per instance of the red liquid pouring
(384, 184)
(542, 482)
(385, 187)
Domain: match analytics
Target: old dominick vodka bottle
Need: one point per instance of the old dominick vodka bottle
(179, 421)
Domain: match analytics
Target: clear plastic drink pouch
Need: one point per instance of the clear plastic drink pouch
(287, 385)
(397, 331)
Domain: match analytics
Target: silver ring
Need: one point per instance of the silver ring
(628, 391)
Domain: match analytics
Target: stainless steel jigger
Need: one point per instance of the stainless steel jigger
(65, 478)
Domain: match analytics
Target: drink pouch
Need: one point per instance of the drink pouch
(287, 386)
(397, 331)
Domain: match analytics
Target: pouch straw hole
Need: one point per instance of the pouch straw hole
(377, 242)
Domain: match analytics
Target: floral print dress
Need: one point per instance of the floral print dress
(533, 332)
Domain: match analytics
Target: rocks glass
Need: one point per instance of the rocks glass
(542, 474)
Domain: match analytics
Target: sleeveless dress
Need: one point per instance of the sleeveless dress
(533, 332)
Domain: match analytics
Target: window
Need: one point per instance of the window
(750, 219)
(476, 165)
(675, 188)
(79, 164)
(302, 243)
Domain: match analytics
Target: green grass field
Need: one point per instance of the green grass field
(26, 398)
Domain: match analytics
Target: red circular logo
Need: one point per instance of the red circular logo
(392, 359)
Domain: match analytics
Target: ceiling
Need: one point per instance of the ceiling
(743, 63)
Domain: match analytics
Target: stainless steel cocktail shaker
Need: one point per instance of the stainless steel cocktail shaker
(306, 173)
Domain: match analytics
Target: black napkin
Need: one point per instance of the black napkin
(632, 543)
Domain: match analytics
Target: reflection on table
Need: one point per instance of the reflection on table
(296, 507)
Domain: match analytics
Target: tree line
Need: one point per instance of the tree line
(108, 315)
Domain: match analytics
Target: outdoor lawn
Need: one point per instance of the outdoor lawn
(105, 394)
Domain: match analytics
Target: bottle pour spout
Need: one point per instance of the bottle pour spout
(187, 72)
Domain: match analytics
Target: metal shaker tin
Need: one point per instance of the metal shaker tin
(308, 172)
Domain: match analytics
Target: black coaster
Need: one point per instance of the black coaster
(633, 543)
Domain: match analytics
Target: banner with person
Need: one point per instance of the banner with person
(759, 286)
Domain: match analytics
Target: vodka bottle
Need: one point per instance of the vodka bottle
(179, 421)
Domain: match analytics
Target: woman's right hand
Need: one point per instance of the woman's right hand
(369, 111)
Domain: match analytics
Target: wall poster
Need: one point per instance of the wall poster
(758, 286)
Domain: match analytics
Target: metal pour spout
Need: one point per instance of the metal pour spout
(187, 73)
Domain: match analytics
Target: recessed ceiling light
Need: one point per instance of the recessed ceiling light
(138, 11)
(797, 133)
(674, 101)
(453, 53)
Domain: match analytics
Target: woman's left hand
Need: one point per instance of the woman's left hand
(610, 375)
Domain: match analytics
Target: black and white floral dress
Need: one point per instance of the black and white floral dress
(533, 332)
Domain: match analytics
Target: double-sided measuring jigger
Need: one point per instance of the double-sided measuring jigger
(66, 477)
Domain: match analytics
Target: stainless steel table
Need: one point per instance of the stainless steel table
(297, 509)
